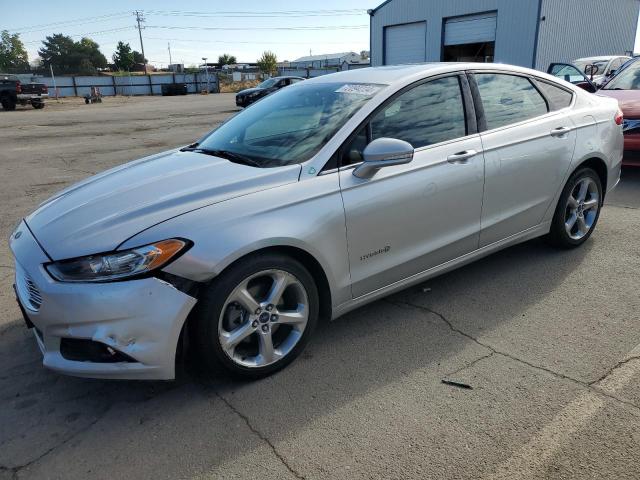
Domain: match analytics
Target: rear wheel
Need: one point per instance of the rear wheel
(37, 105)
(258, 316)
(8, 103)
(578, 209)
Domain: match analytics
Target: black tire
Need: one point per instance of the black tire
(208, 313)
(8, 103)
(37, 105)
(558, 236)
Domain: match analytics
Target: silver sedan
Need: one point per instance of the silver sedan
(313, 201)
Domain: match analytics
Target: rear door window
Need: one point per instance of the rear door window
(509, 99)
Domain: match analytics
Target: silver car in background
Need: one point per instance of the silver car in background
(320, 198)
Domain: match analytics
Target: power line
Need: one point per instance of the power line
(318, 27)
(103, 32)
(94, 19)
(292, 14)
(234, 42)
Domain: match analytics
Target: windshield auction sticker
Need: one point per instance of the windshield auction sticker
(359, 89)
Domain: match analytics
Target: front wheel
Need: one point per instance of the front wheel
(258, 316)
(578, 209)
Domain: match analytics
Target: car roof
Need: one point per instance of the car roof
(601, 57)
(397, 74)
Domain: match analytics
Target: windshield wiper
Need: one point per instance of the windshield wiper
(226, 154)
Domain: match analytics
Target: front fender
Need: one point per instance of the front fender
(305, 215)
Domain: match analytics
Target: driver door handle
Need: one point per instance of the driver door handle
(560, 131)
(462, 157)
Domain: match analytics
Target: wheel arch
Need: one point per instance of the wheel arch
(598, 165)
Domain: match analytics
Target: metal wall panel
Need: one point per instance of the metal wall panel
(405, 43)
(471, 29)
(573, 29)
(515, 29)
(127, 85)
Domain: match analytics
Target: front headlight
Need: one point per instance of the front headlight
(117, 265)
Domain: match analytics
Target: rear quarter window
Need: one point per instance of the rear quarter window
(559, 98)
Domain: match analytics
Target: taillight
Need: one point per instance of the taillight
(619, 118)
(45, 89)
(18, 88)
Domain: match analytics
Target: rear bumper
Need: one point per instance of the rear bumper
(141, 319)
(32, 96)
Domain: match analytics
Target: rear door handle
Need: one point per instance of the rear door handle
(560, 131)
(462, 157)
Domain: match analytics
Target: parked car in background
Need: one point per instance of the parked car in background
(246, 97)
(318, 199)
(624, 86)
(600, 68)
(13, 92)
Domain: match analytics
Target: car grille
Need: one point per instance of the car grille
(27, 290)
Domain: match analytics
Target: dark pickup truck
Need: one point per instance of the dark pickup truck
(12, 92)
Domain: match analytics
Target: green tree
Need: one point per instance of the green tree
(58, 51)
(123, 57)
(90, 54)
(68, 56)
(13, 56)
(226, 59)
(138, 58)
(268, 63)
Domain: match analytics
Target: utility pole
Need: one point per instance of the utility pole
(140, 19)
(169, 47)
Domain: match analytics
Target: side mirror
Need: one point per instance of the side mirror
(591, 70)
(383, 152)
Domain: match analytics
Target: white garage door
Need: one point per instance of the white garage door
(405, 43)
(479, 28)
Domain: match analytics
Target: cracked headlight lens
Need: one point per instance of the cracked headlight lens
(117, 265)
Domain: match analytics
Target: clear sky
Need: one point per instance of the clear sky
(196, 29)
(244, 28)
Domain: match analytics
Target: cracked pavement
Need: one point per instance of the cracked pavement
(547, 340)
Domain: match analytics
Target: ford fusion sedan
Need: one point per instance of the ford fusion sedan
(320, 198)
(246, 97)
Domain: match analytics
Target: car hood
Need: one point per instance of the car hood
(249, 91)
(629, 101)
(99, 213)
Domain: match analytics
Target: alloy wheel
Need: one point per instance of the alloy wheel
(582, 208)
(263, 318)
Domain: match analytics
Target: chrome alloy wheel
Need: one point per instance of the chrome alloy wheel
(582, 208)
(263, 318)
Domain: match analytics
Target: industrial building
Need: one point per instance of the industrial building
(530, 33)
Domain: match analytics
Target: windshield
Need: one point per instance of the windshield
(601, 64)
(627, 79)
(291, 125)
(268, 83)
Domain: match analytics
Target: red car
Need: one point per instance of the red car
(624, 87)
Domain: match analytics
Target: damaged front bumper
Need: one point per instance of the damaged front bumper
(118, 330)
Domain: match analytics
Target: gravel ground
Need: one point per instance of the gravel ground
(548, 340)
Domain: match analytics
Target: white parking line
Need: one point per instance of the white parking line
(530, 461)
